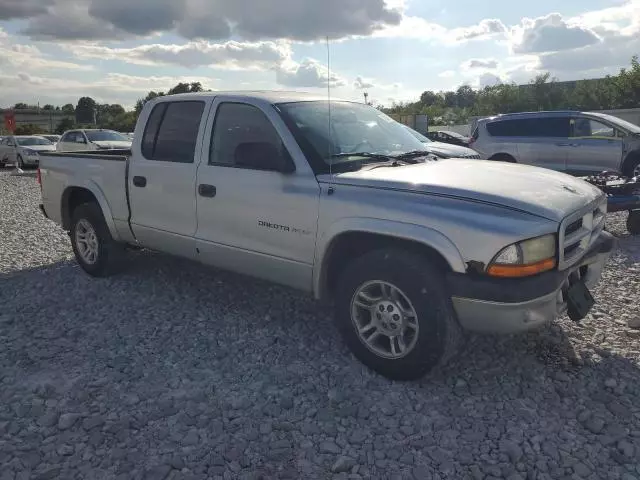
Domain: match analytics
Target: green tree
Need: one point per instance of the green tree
(28, 129)
(69, 109)
(64, 125)
(48, 107)
(86, 110)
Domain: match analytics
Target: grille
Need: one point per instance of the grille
(579, 230)
(476, 157)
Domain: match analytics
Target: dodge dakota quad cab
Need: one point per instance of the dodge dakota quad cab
(336, 199)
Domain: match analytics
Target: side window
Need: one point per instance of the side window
(65, 137)
(240, 125)
(585, 127)
(530, 127)
(151, 130)
(174, 139)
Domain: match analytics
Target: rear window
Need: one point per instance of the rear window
(530, 127)
(172, 131)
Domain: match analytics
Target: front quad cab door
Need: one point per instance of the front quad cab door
(598, 147)
(162, 175)
(257, 206)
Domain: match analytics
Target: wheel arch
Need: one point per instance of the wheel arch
(503, 157)
(351, 238)
(75, 195)
(632, 156)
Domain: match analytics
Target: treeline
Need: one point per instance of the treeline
(88, 113)
(543, 93)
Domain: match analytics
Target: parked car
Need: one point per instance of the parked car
(23, 150)
(52, 138)
(92, 139)
(579, 143)
(443, 150)
(336, 204)
(446, 136)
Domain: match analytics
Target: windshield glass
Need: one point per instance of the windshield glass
(454, 134)
(355, 128)
(419, 136)
(106, 136)
(25, 141)
(619, 122)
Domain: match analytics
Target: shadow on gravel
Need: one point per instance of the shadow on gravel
(216, 373)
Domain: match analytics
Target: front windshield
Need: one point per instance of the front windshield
(26, 141)
(619, 122)
(419, 136)
(106, 136)
(355, 128)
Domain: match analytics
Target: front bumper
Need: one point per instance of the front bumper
(491, 305)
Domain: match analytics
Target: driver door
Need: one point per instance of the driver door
(253, 219)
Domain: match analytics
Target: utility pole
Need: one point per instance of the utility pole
(366, 98)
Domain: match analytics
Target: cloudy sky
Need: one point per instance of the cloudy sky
(54, 51)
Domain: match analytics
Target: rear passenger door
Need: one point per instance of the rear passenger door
(596, 147)
(162, 176)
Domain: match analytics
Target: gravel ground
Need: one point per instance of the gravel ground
(172, 370)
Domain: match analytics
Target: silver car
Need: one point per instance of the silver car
(578, 143)
(444, 150)
(22, 150)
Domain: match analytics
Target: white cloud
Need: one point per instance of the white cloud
(110, 88)
(550, 33)
(480, 63)
(303, 20)
(28, 58)
(307, 74)
(488, 80)
(230, 55)
(361, 83)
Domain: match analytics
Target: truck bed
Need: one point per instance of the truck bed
(104, 173)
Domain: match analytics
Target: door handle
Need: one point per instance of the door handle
(140, 181)
(206, 190)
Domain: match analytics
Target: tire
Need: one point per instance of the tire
(503, 157)
(632, 166)
(108, 253)
(633, 222)
(421, 284)
(20, 162)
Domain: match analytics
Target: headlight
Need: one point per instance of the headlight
(525, 258)
(31, 153)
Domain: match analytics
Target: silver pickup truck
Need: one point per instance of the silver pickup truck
(338, 200)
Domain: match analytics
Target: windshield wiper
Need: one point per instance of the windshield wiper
(377, 156)
(382, 160)
(413, 154)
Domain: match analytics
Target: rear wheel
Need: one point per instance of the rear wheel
(395, 315)
(503, 157)
(95, 249)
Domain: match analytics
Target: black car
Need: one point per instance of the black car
(446, 136)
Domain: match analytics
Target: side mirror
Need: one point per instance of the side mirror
(263, 156)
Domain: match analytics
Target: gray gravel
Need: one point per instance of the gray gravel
(175, 371)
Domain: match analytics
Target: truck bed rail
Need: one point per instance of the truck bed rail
(118, 155)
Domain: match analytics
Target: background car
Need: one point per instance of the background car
(52, 138)
(22, 150)
(444, 150)
(578, 143)
(92, 139)
(446, 136)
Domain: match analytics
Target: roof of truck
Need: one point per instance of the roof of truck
(272, 96)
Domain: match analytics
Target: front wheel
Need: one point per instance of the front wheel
(95, 249)
(395, 314)
(633, 222)
(20, 163)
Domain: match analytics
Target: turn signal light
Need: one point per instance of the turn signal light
(517, 271)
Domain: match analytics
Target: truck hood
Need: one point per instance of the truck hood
(113, 145)
(538, 191)
(448, 150)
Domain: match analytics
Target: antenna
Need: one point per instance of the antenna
(330, 189)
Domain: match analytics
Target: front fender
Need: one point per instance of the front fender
(406, 231)
(97, 192)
